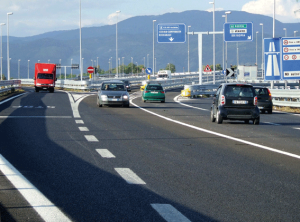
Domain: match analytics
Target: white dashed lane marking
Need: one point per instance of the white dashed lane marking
(104, 153)
(169, 213)
(91, 138)
(129, 176)
(33, 107)
(83, 129)
(79, 121)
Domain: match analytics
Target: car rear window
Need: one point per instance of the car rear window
(238, 91)
(153, 87)
(261, 91)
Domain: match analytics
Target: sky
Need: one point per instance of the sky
(33, 17)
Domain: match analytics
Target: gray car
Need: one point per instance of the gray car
(113, 93)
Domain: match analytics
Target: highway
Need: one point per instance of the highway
(150, 162)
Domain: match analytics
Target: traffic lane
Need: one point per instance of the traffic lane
(55, 157)
(196, 170)
(267, 134)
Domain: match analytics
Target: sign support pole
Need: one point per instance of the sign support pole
(200, 50)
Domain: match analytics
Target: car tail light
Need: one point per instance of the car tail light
(270, 95)
(146, 91)
(162, 92)
(255, 101)
(223, 100)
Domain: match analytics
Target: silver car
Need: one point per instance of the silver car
(113, 93)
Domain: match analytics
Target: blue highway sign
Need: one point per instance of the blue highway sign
(148, 70)
(171, 33)
(272, 58)
(238, 32)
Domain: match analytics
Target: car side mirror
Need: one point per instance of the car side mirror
(56, 79)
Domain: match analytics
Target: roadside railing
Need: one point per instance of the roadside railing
(286, 97)
(9, 85)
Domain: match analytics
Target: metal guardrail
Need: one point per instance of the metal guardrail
(8, 85)
(286, 97)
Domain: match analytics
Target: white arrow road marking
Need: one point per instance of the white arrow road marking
(129, 176)
(169, 213)
(44, 207)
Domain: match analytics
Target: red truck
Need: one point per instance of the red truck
(44, 77)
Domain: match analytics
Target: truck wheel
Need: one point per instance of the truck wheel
(51, 90)
(36, 89)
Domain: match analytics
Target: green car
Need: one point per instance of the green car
(154, 92)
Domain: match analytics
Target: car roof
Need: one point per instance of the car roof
(234, 84)
(260, 87)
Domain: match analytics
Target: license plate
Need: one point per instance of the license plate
(154, 92)
(114, 99)
(239, 102)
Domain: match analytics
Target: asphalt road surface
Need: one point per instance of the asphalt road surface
(65, 159)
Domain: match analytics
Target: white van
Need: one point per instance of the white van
(164, 74)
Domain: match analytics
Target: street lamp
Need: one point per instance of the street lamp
(8, 62)
(80, 59)
(123, 65)
(189, 49)
(131, 66)
(19, 68)
(117, 71)
(295, 33)
(256, 49)
(262, 50)
(137, 68)
(226, 13)
(71, 67)
(285, 32)
(28, 68)
(147, 60)
(214, 43)
(48, 60)
(153, 48)
(1, 51)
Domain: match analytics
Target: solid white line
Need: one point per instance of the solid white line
(105, 153)
(83, 129)
(91, 138)
(297, 128)
(44, 207)
(12, 98)
(275, 124)
(220, 135)
(44, 117)
(169, 213)
(79, 121)
(129, 176)
(176, 100)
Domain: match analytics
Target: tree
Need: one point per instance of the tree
(171, 67)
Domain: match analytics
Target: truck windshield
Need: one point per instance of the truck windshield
(45, 76)
(163, 76)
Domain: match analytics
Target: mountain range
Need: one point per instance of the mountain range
(135, 39)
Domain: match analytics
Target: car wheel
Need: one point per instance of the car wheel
(270, 111)
(212, 117)
(256, 121)
(162, 101)
(98, 102)
(127, 105)
(246, 121)
(263, 111)
(219, 118)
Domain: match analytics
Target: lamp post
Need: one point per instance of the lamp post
(137, 68)
(109, 68)
(285, 32)
(8, 61)
(295, 33)
(80, 53)
(71, 68)
(214, 44)
(147, 60)
(256, 49)
(1, 73)
(226, 13)
(262, 50)
(19, 68)
(131, 65)
(153, 48)
(60, 68)
(28, 68)
(48, 60)
(189, 49)
(117, 71)
(39, 61)
(144, 62)
(123, 65)
(155, 64)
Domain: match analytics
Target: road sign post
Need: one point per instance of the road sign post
(171, 33)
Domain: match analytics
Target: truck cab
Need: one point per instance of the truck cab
(164, 74)
(44, 77)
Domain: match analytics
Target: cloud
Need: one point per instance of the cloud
(283, 8)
